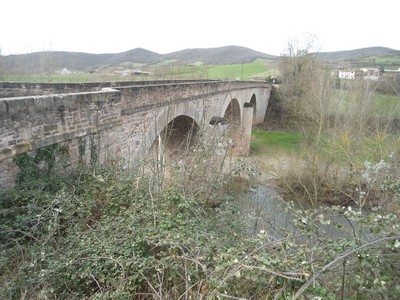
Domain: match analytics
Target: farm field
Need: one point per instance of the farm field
(258, 69)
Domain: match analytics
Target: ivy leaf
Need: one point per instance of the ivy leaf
(219, 268)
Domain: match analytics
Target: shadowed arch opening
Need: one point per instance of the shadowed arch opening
(174, 142)
(179, 134)
(176, 138)
(233, 118)
(232, 113)
(253, 101)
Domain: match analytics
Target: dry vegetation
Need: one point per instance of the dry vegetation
(350, 152)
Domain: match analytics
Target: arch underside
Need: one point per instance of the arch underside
(253, 102)
(175, 138)
(173, 127)
(233, 112)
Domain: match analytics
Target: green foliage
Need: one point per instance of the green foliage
(106, 235)
(111, 237)
(275, 106)
(42, 163)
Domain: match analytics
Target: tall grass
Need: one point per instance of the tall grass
(387, 105)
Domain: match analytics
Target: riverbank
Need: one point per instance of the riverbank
(338, 170)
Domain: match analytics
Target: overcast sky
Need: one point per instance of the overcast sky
(163, 26)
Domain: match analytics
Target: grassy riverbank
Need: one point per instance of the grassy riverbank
(339, 170)
(264, 141)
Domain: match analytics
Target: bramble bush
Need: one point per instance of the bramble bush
(105, 235)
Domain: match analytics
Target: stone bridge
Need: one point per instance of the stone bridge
(119, 121)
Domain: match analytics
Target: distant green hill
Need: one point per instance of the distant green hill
(225, 62)
(51, 61)
(218, 56)
(358, 54)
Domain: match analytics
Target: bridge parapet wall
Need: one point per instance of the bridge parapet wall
(28, 123)
(136, 97)
(10, 89)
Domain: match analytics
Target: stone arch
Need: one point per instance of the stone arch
(179, 115)
(178, 134)
(233, 115)
(233, 112)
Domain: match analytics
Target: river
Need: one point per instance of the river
(271, 215)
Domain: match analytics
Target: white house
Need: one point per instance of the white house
(346, 74)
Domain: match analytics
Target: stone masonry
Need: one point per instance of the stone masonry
(122, 119)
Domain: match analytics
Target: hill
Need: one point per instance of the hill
(51, 61)
(218, 56)
(357, 54)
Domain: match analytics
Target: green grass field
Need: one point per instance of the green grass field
(382, 60)
(259, 68)
(263, 141)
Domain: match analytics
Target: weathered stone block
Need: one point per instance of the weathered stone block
(38, 131)
(43, 105)
(5, 153)
(23, 147)
(3, 109)
(51, 127)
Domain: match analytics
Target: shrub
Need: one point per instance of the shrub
(107, 236)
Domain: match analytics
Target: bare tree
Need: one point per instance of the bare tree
(306, 89)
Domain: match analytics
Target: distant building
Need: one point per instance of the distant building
(138, 72)
(370, 73)
(348, 74)
(64, 71)
(131, 73)
(391, 74)
(395, 72)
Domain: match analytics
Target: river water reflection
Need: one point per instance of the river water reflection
(270, 214)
